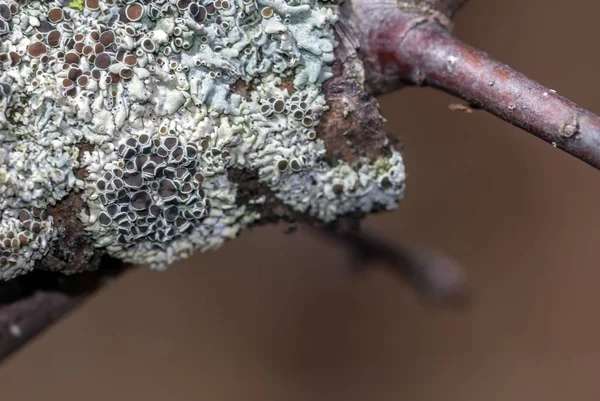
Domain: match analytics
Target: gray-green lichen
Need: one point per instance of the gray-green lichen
(151, 88)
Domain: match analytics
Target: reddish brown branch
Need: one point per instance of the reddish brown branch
(427, 54)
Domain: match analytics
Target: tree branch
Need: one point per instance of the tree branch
(31, 303)
(402, 42)
(425, 53)
(433, 274)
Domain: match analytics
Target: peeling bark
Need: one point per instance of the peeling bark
(353, 127)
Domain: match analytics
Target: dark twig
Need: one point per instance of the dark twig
(427, 54)
(433, 274)
(31, 303)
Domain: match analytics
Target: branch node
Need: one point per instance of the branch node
(570, 127)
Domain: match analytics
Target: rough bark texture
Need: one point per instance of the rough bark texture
(353, 127)
(71, 252)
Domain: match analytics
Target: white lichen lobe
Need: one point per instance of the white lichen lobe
(151, 87)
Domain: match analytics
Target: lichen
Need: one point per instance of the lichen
(151, 87)
(76, 4)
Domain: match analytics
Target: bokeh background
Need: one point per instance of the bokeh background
(280, 317)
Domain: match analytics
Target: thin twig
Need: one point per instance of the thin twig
(427, 54)
(432, 274)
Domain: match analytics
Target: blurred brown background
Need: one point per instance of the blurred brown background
(279, 317)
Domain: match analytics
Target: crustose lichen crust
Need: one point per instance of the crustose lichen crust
(168, 96)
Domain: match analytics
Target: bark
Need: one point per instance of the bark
(430, 56)
(446, 7)
(409, 48)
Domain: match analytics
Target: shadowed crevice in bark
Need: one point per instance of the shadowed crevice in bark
(72, 251)
(249, 190)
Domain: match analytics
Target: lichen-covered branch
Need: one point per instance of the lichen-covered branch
(139, 114)
(151, 131)
(195, 131)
